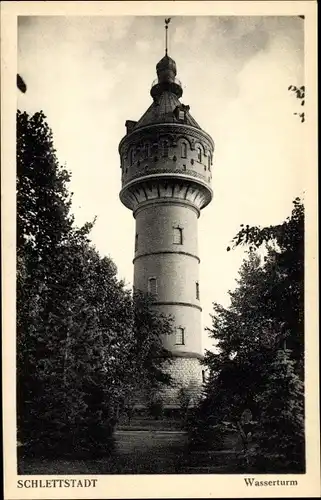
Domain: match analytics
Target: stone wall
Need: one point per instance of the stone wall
(187, 373)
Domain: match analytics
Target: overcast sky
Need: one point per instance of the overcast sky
(90, 74)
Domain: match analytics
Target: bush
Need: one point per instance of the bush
(156, 407)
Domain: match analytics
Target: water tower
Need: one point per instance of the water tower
(166, 164)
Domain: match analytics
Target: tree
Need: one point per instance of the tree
(300, 94)
(83, 341)
(43, 226)
(284, 265)
(279, 435)
(86, 334)
(44, 220)
(147, 362)
(265, 317)
(188, 396)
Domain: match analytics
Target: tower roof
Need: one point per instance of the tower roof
(163, 110)
(166, 91)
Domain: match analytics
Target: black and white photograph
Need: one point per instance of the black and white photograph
(162, 206)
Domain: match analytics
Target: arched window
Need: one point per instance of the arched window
(199, 154)
(184, 150)
(152, 285)
(180, 336)
(132, 156)
(197, 290)
(209, 161)
(136, 242)
(165, 148)
(178, 236)
(147, 150)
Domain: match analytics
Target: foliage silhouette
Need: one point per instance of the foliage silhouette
(258, 361)
(84, 342)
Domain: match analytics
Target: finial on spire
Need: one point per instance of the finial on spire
(167, 21)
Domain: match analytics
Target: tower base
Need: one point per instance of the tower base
(187, 375)
(166, 409)
(183, 393)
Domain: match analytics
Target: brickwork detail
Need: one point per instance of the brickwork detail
(187, 373)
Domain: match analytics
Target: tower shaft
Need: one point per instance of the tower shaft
(166, 264)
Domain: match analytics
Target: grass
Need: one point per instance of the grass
(138, 452)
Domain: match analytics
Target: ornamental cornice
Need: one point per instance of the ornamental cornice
(155, 171)
(175, 188)
(167, 176)
(158, 129)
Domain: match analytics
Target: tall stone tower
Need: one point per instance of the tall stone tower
(166, 163)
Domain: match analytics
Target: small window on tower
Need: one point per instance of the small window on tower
(180, 334)
(136, 242)
(199, 154)
(184, 150)
(209, 162)
(197, 290)
(178, 236)
(203, 376)
(180, 113)
(132, 156)
(152, 285)
(165, 148)
(147, 150)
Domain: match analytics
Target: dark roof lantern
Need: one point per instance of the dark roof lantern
(166, 78)
(166, 68)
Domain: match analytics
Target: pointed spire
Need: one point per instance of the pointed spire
(166, 73)
(167, 21)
